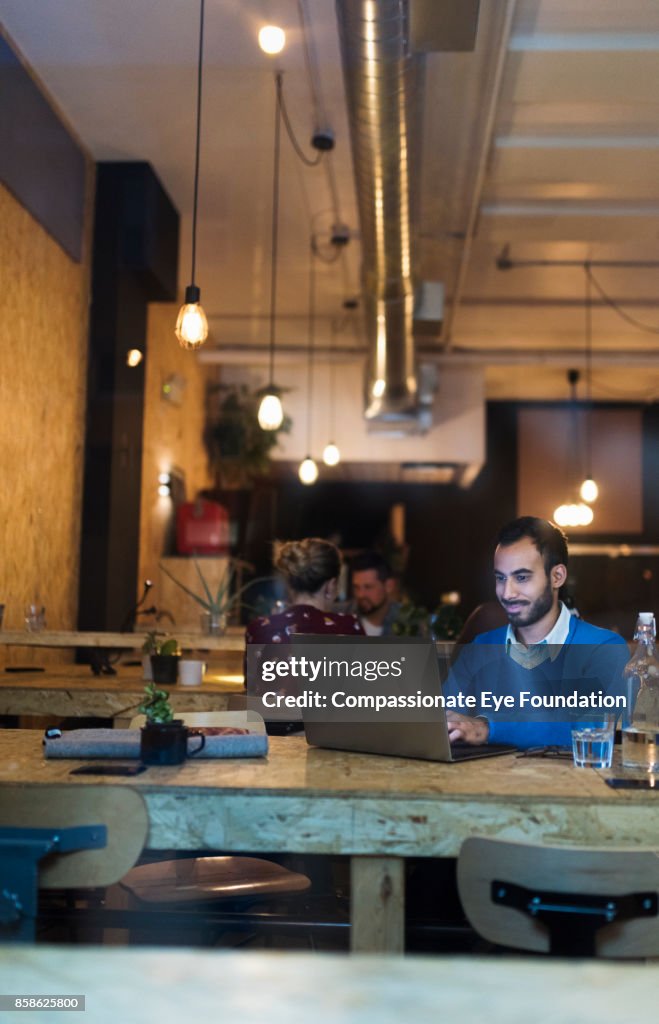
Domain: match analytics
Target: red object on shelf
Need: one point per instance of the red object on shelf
(202, 528)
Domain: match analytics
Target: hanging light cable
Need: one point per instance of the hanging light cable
(331, 454)
(573, 513)
(271, 413)
(308, 471)
(191, 324)
(589, 489)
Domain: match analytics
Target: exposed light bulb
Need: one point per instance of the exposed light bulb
(331, 454)
(271, 413)
(191, 324)
(561, 515)
(308, 471)
(134, 357)
(272, 39)
(164, 484)
(573, 515)
(589, 490)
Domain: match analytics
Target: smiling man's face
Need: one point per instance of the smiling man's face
(525, 590)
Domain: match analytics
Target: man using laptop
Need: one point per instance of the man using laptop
(541, 645)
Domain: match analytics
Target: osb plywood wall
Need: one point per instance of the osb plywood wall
(43, 340)
(172, 437)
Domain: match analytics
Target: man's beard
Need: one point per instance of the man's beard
(531, 613)
(367, 607)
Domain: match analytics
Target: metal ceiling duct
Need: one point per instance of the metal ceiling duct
(383, 85)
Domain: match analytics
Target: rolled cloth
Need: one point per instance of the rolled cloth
(82, 743)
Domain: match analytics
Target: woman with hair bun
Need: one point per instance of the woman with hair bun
(310, 569)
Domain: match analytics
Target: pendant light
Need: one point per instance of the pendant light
(589, 490)
(191, 324)
(331, 454)
(573, 512)
(272, 39)
(308, 471)
(271, 413)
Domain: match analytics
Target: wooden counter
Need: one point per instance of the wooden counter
(170, 986)
(72, 691)
(379, 810)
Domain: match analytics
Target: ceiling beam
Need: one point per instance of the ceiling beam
(257, 355)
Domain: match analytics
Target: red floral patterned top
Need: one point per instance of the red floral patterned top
(300, 618)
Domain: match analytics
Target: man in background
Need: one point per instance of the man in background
(373, 591)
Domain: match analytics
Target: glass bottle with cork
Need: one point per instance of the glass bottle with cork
(640, 723)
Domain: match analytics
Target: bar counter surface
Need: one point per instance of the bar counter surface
(73, 691)
(170, 986)
(378, 810)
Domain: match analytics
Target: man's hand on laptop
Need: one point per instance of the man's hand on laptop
(463, 729)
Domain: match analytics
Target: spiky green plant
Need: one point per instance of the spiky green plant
(222, 601)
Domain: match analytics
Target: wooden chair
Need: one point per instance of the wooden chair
(63, 837)
(204, 881)
(568, 901)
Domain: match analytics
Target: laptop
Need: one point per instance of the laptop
(426, 738)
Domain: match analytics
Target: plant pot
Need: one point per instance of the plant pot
(164, 742)
(164, 668)
(213, 623)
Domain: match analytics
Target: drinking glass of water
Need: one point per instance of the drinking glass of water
(592, 742)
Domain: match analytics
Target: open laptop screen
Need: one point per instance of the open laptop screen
(370, 694)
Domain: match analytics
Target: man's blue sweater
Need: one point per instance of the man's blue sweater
(591, 659)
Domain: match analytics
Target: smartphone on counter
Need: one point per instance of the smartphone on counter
(633, 783)
(109, 769)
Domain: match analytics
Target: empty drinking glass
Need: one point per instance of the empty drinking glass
(35, 618)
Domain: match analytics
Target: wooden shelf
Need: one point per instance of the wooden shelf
(232, 640)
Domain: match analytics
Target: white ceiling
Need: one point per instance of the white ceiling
(560, 163)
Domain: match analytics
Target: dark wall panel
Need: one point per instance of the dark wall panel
(40, 163)
(134, 262)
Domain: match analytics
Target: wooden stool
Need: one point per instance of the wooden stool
(200, 879)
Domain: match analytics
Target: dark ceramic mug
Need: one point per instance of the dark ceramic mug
(167, 743)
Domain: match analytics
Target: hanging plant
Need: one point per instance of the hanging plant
(238, 449)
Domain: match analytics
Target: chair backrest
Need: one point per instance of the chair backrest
(250, 720)
(121, 809)
(588, 871)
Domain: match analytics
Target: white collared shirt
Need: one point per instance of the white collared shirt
(531, 656)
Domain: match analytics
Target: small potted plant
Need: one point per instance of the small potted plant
(156, 706)
(163, 738)
(217, 605)
(164, 657)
